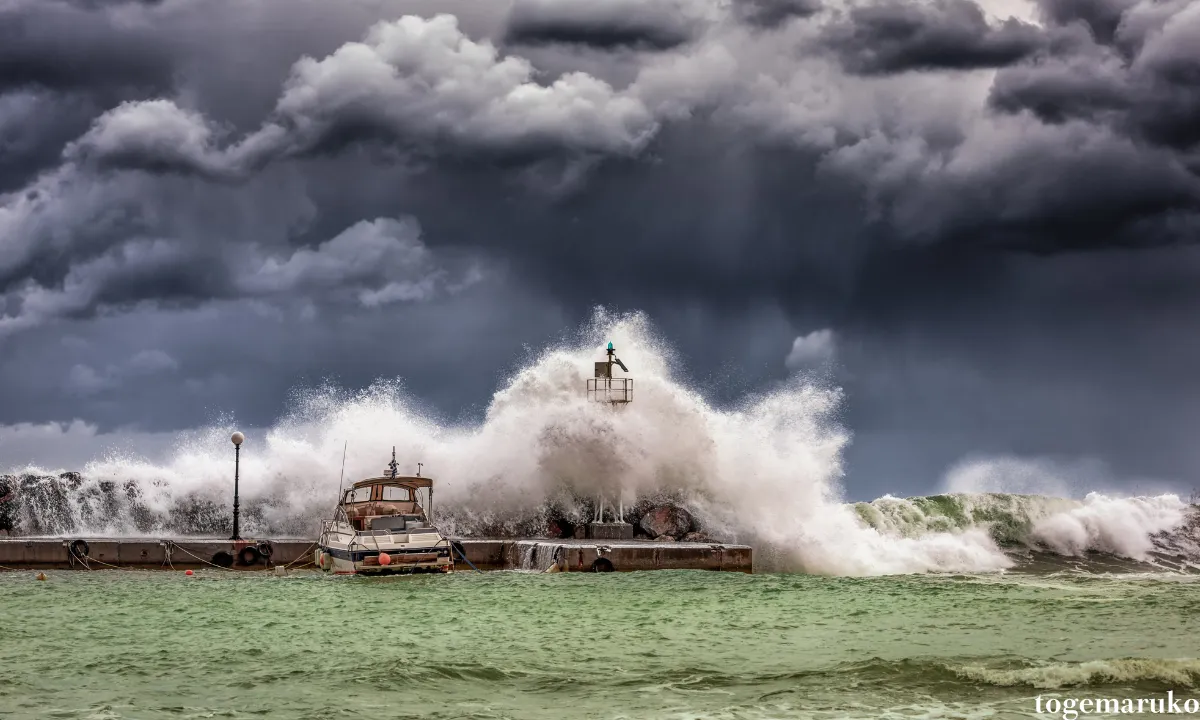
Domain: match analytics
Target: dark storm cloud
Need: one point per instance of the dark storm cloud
(638, 25)
(772, 13)
(284, 191)
(1102, 17)
(70, 46)
(370, 264)
(34, 127)
(417, 83)
(1146, 86)
(891, 37)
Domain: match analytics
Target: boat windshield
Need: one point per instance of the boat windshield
(389, 493)
(397, 493)
(357, 495)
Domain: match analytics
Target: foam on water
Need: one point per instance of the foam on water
(1177, 673)
(1135, 527)
(767, 472)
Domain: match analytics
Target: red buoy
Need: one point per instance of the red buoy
(385, 559)
(189, 572)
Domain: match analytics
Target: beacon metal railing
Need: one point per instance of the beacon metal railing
(611, 390)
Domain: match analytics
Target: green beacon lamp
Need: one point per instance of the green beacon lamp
(618, 391)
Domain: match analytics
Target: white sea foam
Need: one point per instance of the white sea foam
(1184, 672)
(1120, 526)
(767, 472)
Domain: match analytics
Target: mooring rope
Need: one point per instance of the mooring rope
(464, 557)
(197, 557)
(303, 555)
(89, 557)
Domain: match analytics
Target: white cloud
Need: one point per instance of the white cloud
(86, 380)
(152, 361)
(398, 292)
(151, 135)
(58, 446)
(383, 260)
(419, 81)
(812, 350)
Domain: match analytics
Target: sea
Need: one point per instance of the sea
(1007, 592)
(667, 645)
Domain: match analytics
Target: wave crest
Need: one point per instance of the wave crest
(1127, 671)
(767, 472)
(1136, 527)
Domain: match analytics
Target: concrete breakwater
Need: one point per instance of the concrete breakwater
(533, 554)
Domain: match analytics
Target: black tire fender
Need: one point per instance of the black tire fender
(602, 564)
(79, 549)
(249, 555)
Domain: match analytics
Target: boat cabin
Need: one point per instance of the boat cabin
(386, 503)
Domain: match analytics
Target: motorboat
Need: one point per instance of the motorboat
(381, 527)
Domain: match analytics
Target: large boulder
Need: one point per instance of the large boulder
(666, 520)
(557, 527)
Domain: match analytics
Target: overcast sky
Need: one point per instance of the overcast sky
(980, 219)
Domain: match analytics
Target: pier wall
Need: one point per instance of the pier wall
(144, 553)
(485, 554)
(590, 556)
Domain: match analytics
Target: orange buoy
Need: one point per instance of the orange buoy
(385, 559)
(189, 572)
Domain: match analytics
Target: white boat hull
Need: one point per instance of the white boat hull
(342, 551)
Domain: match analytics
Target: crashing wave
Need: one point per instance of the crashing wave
(1174, 673)
(1138, 528)
(766, 473)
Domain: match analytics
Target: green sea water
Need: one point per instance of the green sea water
(677, 645)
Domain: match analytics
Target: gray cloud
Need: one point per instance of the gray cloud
(772, 13)
(417, 83)
(1102, 17)
(975, 206)
(812, 350)
(658, 25)
(86, 380)
(1138, 77)
(890, 37)
(92, 51)
(371, 263)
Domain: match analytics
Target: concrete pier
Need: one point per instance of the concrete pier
(602, 555)
(485, 554)
(151, 553)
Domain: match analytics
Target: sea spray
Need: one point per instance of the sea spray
(766, 472)
(1126, 527)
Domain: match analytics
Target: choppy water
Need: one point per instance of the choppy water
(120, 644)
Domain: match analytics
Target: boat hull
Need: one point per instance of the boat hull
(402, 561)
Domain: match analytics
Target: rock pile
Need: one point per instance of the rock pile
(668, 523)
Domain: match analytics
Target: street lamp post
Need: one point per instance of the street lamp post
(237, 458)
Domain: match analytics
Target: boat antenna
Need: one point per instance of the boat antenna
(341, 477)
(419, 466)
(393, 464)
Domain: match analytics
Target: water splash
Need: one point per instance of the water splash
(767, 472)
(1137, 528)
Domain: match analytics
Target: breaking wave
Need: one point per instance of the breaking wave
(767, 473)
(1175, 673)
(1139, 528)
